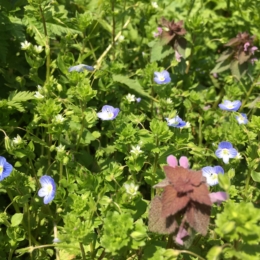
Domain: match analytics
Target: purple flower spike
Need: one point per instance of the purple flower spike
(156, 34)
(218, 197)
(108, 113)
(184, 162)
(175, 122)
(5, 168)
(162, 77)
(172, 161)
(230, 106)
(226, 151)
(48, 189)
(80, 68)
(181, 234)
(242, 119)
(178, 56)
(253, 49)
(246, 45)
(211, 174)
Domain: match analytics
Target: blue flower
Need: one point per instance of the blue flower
(108, 113)
(162, 77)
(48, 189)
(81, 68)
(5, 168)
(226, 151)
(242, 119)
(175, 122)
(230, 106)
(138, 99)
(211, 174)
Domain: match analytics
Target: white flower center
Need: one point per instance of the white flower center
(1, 169)
(161, 78)
(49, 188)
(225, 151)
(173, 121)
(213, 176)
(230, 106)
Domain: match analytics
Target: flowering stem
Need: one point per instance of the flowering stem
(113, 27)
(82, 251)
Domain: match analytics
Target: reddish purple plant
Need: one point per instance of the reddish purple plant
(240, 53)
(184, 203)
(173, 36)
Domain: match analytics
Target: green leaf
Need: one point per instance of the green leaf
(221, 66)
(159, 51)
(133, 84)
(214, 253)
(255, 176)
(238, 70)
(16, 219)
(224, 181)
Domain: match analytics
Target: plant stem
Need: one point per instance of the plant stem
(82, 251)
(47, 46)
(191, 253)
(247, 182)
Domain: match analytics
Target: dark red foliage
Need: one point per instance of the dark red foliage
(185, 199)
(173, 36)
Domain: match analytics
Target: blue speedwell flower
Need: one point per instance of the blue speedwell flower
(230, 105)
(226, 151)
(48, 189)
(162, 77)
(80, 68)
(211, 174)
(108, 113)
(242, 119)
(175, 122)
(5, 168)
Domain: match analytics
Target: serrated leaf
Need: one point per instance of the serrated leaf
(160, 51)
(180, 45)
(238, 70)
(131, 83)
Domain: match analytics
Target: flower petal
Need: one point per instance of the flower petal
(172, 161)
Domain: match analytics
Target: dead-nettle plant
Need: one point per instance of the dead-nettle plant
(173, 35)
(184, 203)
(238, 56)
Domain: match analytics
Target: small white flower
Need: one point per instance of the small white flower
(39, 87)
(136, 150)
(130, 98)
(239, 156)
(18, 140)
(121, 38)
(60, 148)
(59, 119)
(154, 5)
(25, 45)
(131, 188)
(56, 240)
(38, 95)
(168, 101)
(38, 49)
(187, 125)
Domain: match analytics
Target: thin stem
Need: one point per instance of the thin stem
(247, 182)
(55, 231)
(80, 134)
(113, 27)
(82, 251)
(191, 253)
(47, 45)
(200, 131)
(29, 226)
